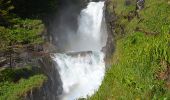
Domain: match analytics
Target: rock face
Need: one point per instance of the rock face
(140, 4)
(110, 18)
(53, 87)
(41, 58)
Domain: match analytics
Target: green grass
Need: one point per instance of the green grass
(141, 54)
(21, 32)
(12, 91)
(15, 83)
(138, 58)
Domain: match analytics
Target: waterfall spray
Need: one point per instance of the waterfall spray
(82, 74)
(89, 36)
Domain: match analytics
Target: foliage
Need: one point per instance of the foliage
(5, 8)
(161, 16)
(13, 75)
(23, 32)
(34, 8)
(138, 60)
(17, 31)
(12, 91)
(14, 84)
(141, 55)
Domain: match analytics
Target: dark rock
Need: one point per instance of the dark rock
(140, 4)
(128, 2)
(3, 61)
(74, 54)
(110, 18)
(53, 87)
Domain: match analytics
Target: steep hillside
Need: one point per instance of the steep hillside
(141, 62)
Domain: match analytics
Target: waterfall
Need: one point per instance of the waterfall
(82, 73)
(89, 36)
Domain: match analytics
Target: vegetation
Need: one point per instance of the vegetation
(17, 33)
(34, 8)
(23, 32)
(141, 63)
(20, 27)
(14, 84)
(5, 8)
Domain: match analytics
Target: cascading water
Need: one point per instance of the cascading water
(82, 74)
(89, 36)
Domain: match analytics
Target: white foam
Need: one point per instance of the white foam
(89, 34)
(81, 75)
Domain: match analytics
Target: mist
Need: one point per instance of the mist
(65, 29)
(82, 31)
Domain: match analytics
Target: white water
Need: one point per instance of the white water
(89, 36)
(82, 75)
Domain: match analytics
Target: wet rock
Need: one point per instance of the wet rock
(110, 18)
(53, 87)
(128, 2)
(3, 61)
(140, 4)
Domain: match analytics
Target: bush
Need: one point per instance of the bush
(22, 32)
(12, 91)
(13, 75)
(15, 83)
(34, 8)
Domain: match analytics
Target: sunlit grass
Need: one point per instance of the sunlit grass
(16, 83)
(141, 54)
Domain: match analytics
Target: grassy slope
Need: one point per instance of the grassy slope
(142, 55)
(15, 83)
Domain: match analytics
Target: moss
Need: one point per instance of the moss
(21, 32)
(15, 83)
(139, 54)
(12, 91)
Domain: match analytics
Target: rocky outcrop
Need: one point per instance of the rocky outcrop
(110, 18)
(115, 29)
(37, 56)
(53, 87)
(140, 4)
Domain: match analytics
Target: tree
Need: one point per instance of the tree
(5, 8)
(34, 8)
(23, 34)
(15, 32)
